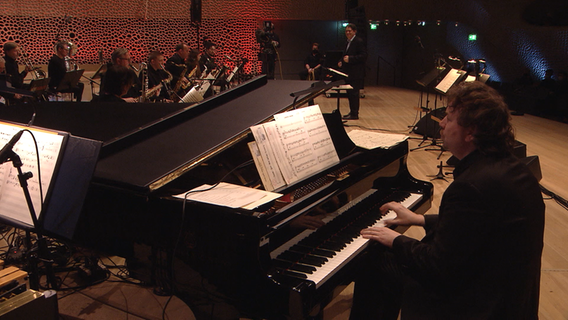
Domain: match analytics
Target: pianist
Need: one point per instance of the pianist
(480, 257)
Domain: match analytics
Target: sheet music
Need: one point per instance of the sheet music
(293, 146)
(338, 72)
(470, 78)
(371, 140)
(449, 80)
(260, 166)
(305, 141)
(268, 156)
(12, 201)
(230, 195)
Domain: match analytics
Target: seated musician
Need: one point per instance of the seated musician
(207, 60)
(481, 256)
(193, 62)
(57, 68)
(119, 80)
(15, 77)
(176, 65)
(121, 57)
(157, 76)
(312, 64)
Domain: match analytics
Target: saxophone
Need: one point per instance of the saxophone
(155, 89)
(179, 82)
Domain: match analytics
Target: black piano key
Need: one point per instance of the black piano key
(303, 258)
(293, 266)
(331, 245)
(290, 256)
(294, 274)
(282, 263)
(313, 260)
(314, 251)
(303, 268)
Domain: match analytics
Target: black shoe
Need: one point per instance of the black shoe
(350, 117)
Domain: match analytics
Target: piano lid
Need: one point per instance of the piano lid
(146, 164)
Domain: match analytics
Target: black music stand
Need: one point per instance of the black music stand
(73, 166)
(39, 87)
(429, 81)
(6, 87)
(70, 80)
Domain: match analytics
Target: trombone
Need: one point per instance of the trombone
(37, 73)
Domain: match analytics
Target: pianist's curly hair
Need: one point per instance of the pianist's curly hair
(483, 108)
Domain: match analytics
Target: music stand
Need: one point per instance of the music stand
(6, 87)
(330, 60)
(70, 80)
(98, 74)
(67, 165)
(428, 81)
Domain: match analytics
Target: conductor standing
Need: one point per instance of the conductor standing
(353, 63)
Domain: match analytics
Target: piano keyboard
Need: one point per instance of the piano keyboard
(317, 255)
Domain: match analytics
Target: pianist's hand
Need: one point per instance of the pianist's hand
(404, 217)
(381, 234)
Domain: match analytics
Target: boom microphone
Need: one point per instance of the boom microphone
(6, 151)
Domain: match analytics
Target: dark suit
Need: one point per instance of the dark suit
(56, 69)
(16, 77)
(355, 68)
(480, 258)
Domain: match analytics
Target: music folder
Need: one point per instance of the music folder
(70, 80)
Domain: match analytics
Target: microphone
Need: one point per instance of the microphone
(101, 56)
(6, 151)
(229, 58)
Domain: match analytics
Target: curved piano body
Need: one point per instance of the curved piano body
(265, 262)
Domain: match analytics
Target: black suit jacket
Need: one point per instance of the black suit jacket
(481, 256)
(357, 53)
(16, 77)
(56, 70)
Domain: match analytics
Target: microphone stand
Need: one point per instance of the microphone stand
(42, 254)
(91, 81)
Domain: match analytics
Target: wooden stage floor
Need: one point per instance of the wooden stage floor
(394, 110)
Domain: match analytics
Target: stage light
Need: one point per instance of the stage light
(472, 37)
(373, 26)
(344, 24)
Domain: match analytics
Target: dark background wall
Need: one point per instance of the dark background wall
(513, 35)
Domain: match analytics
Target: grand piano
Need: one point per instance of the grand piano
(265, 262)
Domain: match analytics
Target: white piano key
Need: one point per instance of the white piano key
(352, 249)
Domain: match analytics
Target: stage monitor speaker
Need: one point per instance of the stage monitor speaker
(195, 10)
(429, 127)
(533, 164)
(519, 149)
